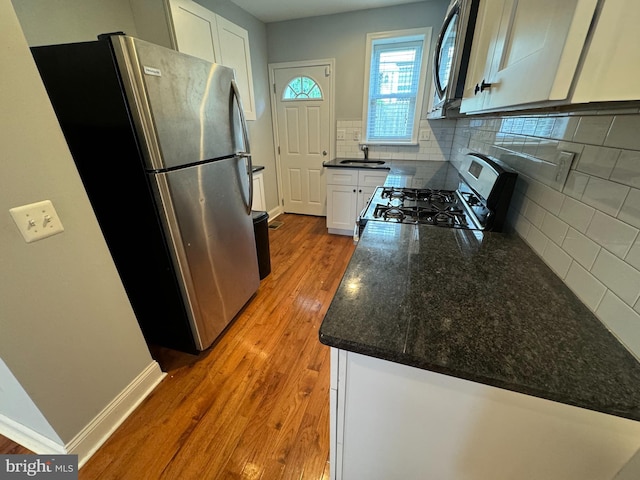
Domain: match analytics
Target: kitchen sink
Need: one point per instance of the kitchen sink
(362, 162)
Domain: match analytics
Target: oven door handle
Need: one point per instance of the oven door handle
(356, 232)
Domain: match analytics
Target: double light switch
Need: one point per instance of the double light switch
(37, 220)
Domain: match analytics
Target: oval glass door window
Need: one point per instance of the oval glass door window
(302, 88)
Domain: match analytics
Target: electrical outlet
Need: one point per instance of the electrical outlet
(565, 159)
(424, 134)
(37, 220)
(340, 134)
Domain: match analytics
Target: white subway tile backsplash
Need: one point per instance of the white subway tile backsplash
(537, 240)
(627, 169)
(598, 161)
(633, 257)
(612, 234)
(593, 130)
(581, 248)
(522, 226)
(564, 128)
(605, 195)
(576, 214)
(554, 228)
(550, 199)
(534, 213)
(585, 286)
(622, 321)
(557, 259)
(576, 184)
(630, 212)
(624, 132)
(620, 278)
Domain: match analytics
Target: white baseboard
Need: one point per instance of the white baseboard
(28, 438)
(274, 213)
(91, 437)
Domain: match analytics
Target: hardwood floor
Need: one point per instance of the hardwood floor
(256, 405)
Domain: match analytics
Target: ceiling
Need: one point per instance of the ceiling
(278, 10)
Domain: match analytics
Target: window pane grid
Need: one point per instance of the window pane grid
(393, 89)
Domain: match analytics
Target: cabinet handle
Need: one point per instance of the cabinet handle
(482, 87)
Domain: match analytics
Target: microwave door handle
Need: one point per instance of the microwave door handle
(246, 154)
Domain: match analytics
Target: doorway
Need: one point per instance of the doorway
(303, 111)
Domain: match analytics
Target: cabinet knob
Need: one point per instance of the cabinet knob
(482, 87)
(354, 190)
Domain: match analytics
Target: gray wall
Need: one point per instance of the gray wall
(68, 333)
(343, 37)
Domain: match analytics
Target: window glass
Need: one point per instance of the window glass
(302, 88)
(396, 79)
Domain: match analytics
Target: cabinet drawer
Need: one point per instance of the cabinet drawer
(371, 178)
(342, 176)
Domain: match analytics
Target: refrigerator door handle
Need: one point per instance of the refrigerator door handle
(246, 154)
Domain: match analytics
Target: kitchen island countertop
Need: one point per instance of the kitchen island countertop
(481, 307)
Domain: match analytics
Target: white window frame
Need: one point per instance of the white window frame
(393, 37)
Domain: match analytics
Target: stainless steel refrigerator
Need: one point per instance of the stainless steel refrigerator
(161, 145)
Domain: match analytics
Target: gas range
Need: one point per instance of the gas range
(480, 202)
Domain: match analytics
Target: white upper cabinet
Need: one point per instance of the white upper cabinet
(201, 33)
(195, 30)
(612, 64)
(525, 52)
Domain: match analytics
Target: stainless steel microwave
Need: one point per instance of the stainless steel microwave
(451, 57)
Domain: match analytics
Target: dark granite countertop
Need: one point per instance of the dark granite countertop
(482, 307)
(256, 168)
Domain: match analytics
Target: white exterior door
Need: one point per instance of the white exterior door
(303, 107)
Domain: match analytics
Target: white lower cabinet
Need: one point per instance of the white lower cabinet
(348, 191)
(259, 202)
(391, 421)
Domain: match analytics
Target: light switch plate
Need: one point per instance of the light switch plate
(37, 220)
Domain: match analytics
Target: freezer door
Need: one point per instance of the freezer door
(183, 107)
(204, 208)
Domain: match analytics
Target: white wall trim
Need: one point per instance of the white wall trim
(91, 437)
(29, 438)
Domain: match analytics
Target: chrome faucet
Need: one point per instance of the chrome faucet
(365, 149)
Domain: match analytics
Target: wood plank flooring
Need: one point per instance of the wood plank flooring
(256, 405)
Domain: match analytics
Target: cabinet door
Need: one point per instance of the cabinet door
(371, 178)
(543, 41)
(195, 30)
(612, 64)
(341, 207)
(258, 192)
(342, 176)
(201, 33)
(531, 55)
(482, 50)
(364, 194)
(234, 50)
